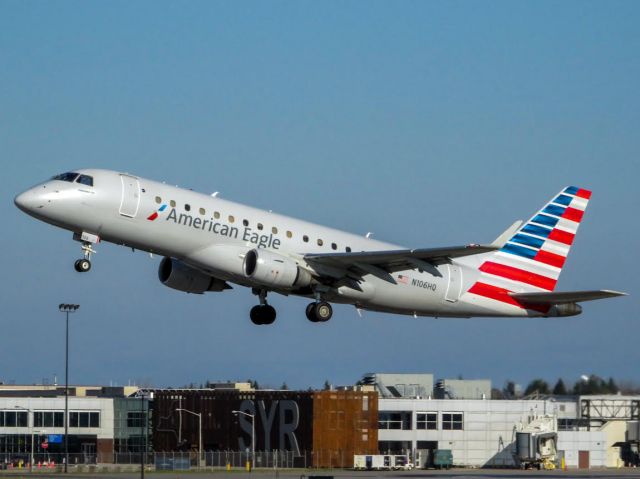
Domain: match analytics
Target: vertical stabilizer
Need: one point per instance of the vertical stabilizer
(532, 259)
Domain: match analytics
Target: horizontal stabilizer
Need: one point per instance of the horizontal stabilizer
(565, 297)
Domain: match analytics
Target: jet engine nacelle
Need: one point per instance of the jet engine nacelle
(274, 270)
(177, 275)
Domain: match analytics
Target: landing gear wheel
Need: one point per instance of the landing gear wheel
(323, 311)
(262, 314)
(311, 312)
(82, 265)
(319, 312)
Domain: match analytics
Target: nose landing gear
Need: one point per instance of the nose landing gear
(84, 264)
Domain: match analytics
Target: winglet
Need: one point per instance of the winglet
(501, 240)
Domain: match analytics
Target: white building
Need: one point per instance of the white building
(481, 433)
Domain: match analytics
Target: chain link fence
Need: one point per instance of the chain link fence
(182, 460)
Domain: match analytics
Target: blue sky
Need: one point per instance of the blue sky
(428, 123)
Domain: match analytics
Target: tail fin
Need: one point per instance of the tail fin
(532, 259)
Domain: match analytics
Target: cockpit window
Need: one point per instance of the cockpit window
(85, 180)
(69, 176)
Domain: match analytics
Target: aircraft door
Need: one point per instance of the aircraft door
(130, 196)
(454, 286)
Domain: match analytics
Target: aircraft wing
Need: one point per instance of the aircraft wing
(565, 297)
(381, 263)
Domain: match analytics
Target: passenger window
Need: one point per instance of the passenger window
(216, 215)
(334, 246)
(348, 249)
(202, 211)
(289, 234)
(187, 207)
(172, 203)
(158, 200)
(245, 222)
(85, 180)
(319, 242)
(274, 230)
(305, 238)
(231, 219)
(260, 226)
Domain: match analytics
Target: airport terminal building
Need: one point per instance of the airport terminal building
(383, 414)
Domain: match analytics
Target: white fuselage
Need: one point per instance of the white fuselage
(214, 235)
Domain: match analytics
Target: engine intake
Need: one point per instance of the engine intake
(274, 270)
(177, 275)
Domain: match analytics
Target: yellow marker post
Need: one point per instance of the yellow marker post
(248, 466)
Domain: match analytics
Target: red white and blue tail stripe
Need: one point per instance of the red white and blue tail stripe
(531, 261)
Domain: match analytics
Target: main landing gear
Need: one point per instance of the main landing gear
(319, 312)
(262, 313)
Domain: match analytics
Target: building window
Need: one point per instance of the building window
(48, 419)
(135, 419)
(452, 421)
(13, 419)
(394, 420)
(84, 419)
(202, 211)
(427, 420)
(158, 200)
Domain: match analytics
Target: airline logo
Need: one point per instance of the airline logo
(154, 215)
(533, 258)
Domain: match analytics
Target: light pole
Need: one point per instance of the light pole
(253, 436)
(199, 431)
(29, 413)
(66, 308)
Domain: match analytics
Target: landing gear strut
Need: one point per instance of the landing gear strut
(83, 265)
(262, 313)
(319, 312)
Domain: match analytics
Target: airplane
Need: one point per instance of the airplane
(208, 242)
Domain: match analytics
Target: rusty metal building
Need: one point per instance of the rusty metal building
(323, 428)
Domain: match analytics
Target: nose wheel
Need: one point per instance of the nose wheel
(82, 265)
(319, 312)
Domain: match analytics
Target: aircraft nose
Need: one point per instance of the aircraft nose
(26, 201)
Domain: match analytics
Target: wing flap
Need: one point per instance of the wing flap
(565, 296)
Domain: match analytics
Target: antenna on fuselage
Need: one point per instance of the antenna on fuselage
(368, 235)
(215, 194)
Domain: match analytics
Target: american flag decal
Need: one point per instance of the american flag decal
(403, 279)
